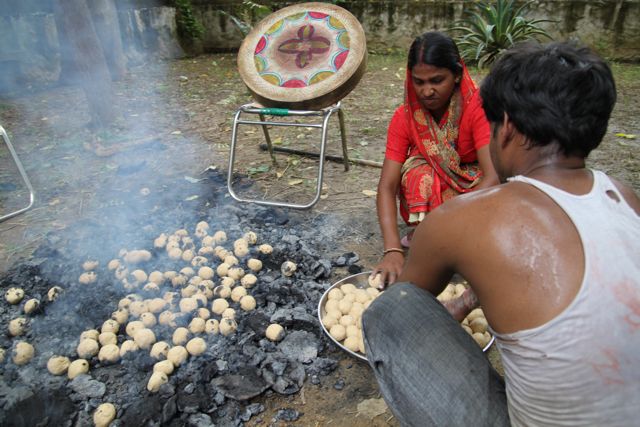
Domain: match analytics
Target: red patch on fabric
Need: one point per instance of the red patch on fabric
(261, 44)
(318, 15)
(628, 295)
(294, 83)
(341, 58)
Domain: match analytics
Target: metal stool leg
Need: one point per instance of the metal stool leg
(343, 137)
(23, 174)
(250, 109)
(268, 139)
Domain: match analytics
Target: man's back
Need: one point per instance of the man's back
(557, 276)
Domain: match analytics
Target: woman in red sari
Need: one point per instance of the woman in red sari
(437, 144)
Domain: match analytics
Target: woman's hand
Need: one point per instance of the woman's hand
(389, 268)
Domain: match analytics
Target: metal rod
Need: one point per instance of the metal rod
(316, 155)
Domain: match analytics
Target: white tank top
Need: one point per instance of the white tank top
(583, 366)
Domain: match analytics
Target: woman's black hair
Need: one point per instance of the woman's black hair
(559, 93)
(437, 49)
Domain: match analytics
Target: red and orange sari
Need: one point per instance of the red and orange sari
(433, 172)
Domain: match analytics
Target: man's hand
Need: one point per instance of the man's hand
(461, 306)
(389, 268)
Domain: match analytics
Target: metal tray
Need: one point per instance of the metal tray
(360, 280)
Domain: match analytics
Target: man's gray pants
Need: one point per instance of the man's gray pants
(430, 371)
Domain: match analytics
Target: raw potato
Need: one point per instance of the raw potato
(228, 282)
(212, 326)
(250, 237)
(222, 269)
(344, 305)
(237, 293)
(155, 382)
(177, 355)
(159, 350)
(180, 336)
(107, 338)
(156, 305)
(338, 332)
(352, 343)
(54, 293)
(275, 332)
(145, 338)
(167, 318)
(335, 294)
(23, 353)
(222, 291)
(235, 273)
(110, 326)
(87, 348)
(133, 326)
(254, 264)
(479, 324)
(219, 305)
(265, 249)
(137, 256)
(219, 237)
(328, 321)
(196, 346)
(375, 281)
(17, 326)
(113, 264)
(228, 326)
(148, 319)
(156, 277)
(128, 346)
(241, 251)
(248, 280)
(164, 366)
(288, 268)
(229, 313)
(88, 277)
(58, 365)
(109, 353)
(348, 288)
(14, 295)
(231, 260)
(247, 303)
(121, 316)
(188, 305)
(77, 367)
(206, 273)
(31, 305)
(196, 326)
(204, 313)
(91, 334)
(103, 416)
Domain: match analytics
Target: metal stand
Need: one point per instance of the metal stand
(23, 174)
(325, 114)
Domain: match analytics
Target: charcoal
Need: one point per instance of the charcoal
(211, 389)
(299, 345)
(287, 414)
(87, 387)
(242, 386)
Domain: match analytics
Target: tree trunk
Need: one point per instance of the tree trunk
(105, 20)
(88, 57)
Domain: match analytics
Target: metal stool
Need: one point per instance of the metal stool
(23, 174)
(324, 114)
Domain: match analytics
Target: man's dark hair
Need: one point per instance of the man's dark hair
(437, 49)
(555, 93)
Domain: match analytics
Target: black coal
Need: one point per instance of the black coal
(215, 388)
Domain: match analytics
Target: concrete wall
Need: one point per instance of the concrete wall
(29, 47)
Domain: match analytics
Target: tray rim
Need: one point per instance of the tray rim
(361, 356)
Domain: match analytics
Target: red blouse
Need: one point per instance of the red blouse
(473, 133)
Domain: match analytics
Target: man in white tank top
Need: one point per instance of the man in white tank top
(552, 255)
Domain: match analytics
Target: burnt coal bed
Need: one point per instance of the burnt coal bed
(214, 388)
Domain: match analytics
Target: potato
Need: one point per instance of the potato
(17, 326)
(180, 336)
(127, 346)
(109, 353)
(288, 268)
(196, 346)
(228, 326)
(14, 295)
(177, 355)
(338, 332)
(159, 350)
(155, 382)
(23, 353)
(58, 365)
(274, 332)
(77, 367)
(31, 306)
(265, 249)
(104, 414)
(87, 348)
(247, 303)
(107, 338)
(145, 338)
(212, 326)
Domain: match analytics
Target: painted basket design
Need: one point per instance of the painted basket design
(302, 49)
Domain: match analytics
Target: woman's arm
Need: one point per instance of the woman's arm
(392, 262)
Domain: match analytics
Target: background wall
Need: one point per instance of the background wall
(30, 49)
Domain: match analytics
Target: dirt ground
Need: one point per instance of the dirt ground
(176, 120)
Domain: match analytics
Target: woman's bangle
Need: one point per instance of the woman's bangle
(386, 251)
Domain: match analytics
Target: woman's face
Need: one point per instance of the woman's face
(434, 87)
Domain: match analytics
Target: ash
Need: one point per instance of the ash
(215, 388)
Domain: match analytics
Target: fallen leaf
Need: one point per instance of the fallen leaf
(324, 196)
(369, 193)
(190, 198)
(371, 408)
(626, 135)
(279, 174)
(176, 132)
(54, 202)
(295, 181)
(277, 141)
